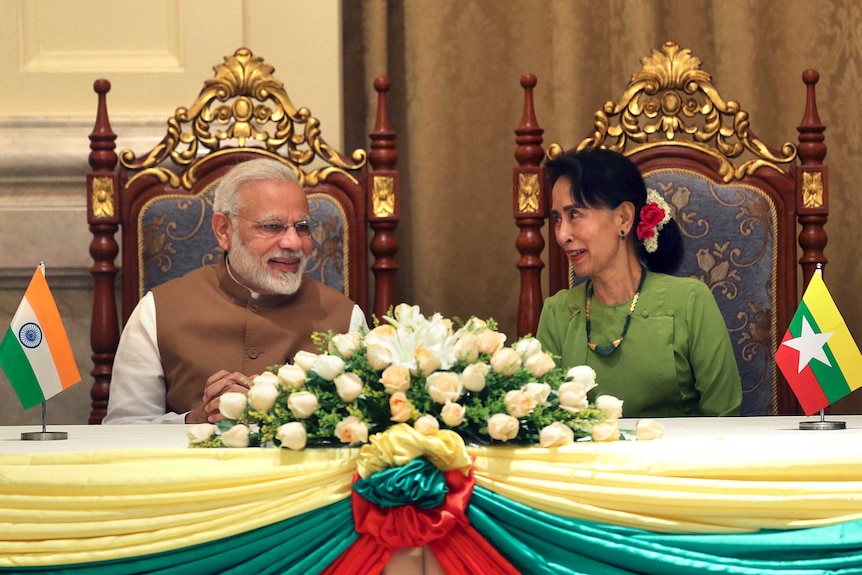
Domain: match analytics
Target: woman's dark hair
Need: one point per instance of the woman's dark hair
(605, 179)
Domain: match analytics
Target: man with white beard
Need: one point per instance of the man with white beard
(196, 337)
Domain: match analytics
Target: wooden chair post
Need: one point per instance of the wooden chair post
(529, 209)
(103, 216)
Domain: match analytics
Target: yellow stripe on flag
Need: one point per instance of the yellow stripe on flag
(828, 318)
(38, 295)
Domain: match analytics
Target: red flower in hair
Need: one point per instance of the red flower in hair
(651, 216)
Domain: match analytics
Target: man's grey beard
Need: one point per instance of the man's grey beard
(256, 274)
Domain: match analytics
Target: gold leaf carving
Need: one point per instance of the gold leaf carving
(528, 192)
(812, 189)
(383, 196)
(103, 197)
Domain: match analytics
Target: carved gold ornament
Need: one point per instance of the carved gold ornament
(671, 101)
(528, 192)
(812, 189)
(243, 105)
(103, 197)
(383, 196)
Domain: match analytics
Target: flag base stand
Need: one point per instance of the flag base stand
(44, 435)
(822, 424)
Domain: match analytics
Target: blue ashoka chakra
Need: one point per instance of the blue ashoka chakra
(30, 335)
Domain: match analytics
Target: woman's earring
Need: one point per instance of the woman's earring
(622, 235)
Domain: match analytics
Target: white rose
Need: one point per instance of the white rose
(395, 378)
(379, 357)
(539, 364)
(200, 432)
(405, 312)
(351, 430)
(647, 429)
(606, 431)
(427, 362)
(231, 404)
(292, 376)
(328, 366)
(349, 387)
(612, 406)
(527, 347)
(573, 396)
(473, 377)
(345, 344)
(262, 396)
(453, 414)
(400, 408)
(519, 403)
(236, 436)
(305, 360)
(490, 341)
(426, 425)
(541, 391)
(583, 374)
(467, 347)
(444, 386)
(266, 377)
(505, 361)
(292, 435)
(503, 427)
(556, 435)
(302, 404)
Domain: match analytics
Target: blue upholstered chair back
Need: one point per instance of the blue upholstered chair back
(175, 237)
(729, 232)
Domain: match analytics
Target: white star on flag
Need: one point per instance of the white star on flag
(809, 345)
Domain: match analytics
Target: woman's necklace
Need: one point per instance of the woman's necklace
(608, 349)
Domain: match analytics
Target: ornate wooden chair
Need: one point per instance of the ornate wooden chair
(737, 200)
(162, 200)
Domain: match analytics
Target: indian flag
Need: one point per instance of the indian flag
(818, 355)
(35, 353)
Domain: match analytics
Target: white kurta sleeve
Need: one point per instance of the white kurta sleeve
(137, 392)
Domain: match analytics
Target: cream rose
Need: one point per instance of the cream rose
(573, 396)
(502, 427)
(236, 436)
(444, 386)
(527, 347)
(648, 429)
(345, 344)
(351, 430)
(505, 361)
(305, 360)
(467, 347)
(292, 376)
(262, 396)
(541, 391)
(349, 387)
(232, 404)
(292, 435)
(266, 377)
(302, 404)
(383, 331)
(453, 414)
(395, 378)
(612, 406)
(406, 313)
(539, 364)
(426, 425)
(519, 403)
(556, 435)
(490, 341)
(400, 408)
(583, 374)
(328, 366)
(606, 431)
(473, 377)
(379, 357)
(200, 432)
(427, 362)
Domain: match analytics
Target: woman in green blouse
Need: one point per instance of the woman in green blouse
(656, 341)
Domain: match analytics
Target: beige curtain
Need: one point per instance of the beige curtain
(456, 100)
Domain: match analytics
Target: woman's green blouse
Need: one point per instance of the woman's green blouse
(675, 360)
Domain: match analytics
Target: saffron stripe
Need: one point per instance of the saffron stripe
(14, 363)
(38, 295)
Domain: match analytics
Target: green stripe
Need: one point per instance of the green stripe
(15, 364)
(830, 377)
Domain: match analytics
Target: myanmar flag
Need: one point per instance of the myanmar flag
(818, 356)
(35, 353)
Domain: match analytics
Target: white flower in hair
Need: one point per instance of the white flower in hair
(653, 216)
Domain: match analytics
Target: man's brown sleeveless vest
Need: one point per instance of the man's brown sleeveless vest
(206, 322)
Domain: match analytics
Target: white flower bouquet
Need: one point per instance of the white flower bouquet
(428, 372)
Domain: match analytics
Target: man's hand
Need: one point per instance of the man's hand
(217, 384)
